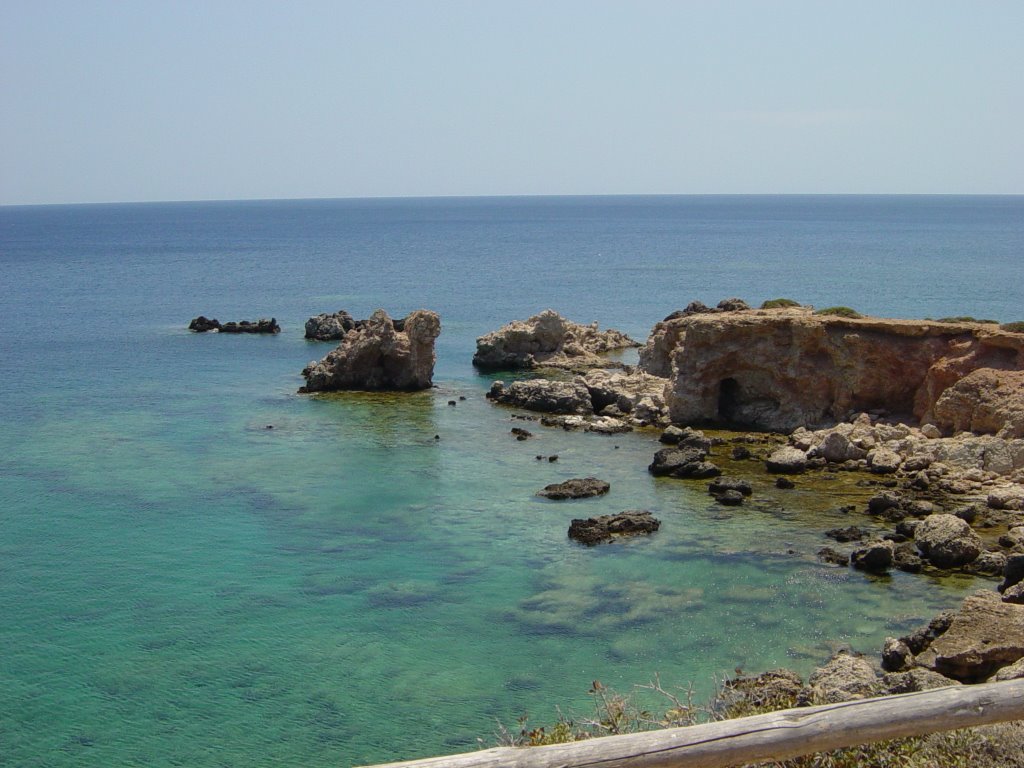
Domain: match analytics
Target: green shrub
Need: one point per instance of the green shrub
(840, 312)
(964, 319)
(777, 303)
(1017, 327)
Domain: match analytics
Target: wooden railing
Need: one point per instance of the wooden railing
(773, 736)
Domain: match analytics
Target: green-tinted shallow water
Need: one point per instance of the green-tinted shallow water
(351, 589)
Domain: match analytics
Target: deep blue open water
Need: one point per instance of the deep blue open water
(181, 586)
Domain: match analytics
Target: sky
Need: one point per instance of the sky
(178, 100)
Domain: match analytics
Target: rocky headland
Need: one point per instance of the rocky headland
(548, 340)
(379, 354)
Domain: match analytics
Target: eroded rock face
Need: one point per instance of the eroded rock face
(985, 635)
(547, 339)
(780, 369)
(595, 530)
(379, 356)
(985, 400)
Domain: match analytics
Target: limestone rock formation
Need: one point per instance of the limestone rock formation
(985, 635)
(780, 369)
(594, 530)
(334, 326)
(543, 395)
(549, 340)
(379, 356)
(847, 676)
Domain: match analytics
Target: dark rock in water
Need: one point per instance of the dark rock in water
(687, 437)
(331, 327)
(522, 434)
(873, 557)
(553, 458)
(883, 501)
(906, 559)
(203, 324)
(722, 484)
(740, 453)
(682, 463)
(729, 498)
(784, 483)
(576, 488)
(451, 403)
(907, 528)
(594, 530)
(244, 326)
(832, 557)
(987, 564)
(850, 533)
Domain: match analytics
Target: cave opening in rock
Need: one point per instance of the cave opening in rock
(729, 400)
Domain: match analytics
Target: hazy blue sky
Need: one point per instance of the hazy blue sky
(119, 101)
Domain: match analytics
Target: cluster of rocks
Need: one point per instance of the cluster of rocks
(203, 324)
(547, 340)
(982, 641)
(686, 456)
(379, 355)
(600, 401)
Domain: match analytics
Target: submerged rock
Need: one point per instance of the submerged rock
(632, 522)
(379, 356)
(576, 488)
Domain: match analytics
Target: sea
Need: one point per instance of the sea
(201, 567)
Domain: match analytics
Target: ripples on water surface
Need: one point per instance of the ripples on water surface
(183, 586)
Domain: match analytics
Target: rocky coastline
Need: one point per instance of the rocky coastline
(928, 415)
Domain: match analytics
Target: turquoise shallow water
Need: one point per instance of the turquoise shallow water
(182, 586)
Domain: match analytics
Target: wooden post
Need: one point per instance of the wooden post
(773, 736)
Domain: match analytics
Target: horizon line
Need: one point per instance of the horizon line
(354, 198)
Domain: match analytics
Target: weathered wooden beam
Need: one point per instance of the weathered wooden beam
(776, 735)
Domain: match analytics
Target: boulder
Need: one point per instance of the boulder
(687, 437)
(547, 339)
(1014, 671)
(874, 557)
(847, 676)
(729, 498)
(985, 635)
(986, 400)
(203, 324)
(544, 395)
(905, 558)
(1009, 497)
(682, 463)
(576, 488)
(594, 530)
(378, 356)
(1014, 594)
(787, 460)
(883, 461)
(330, 327)
(946, 541)
(922, 637)
(837, 448)
(1013, 572)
